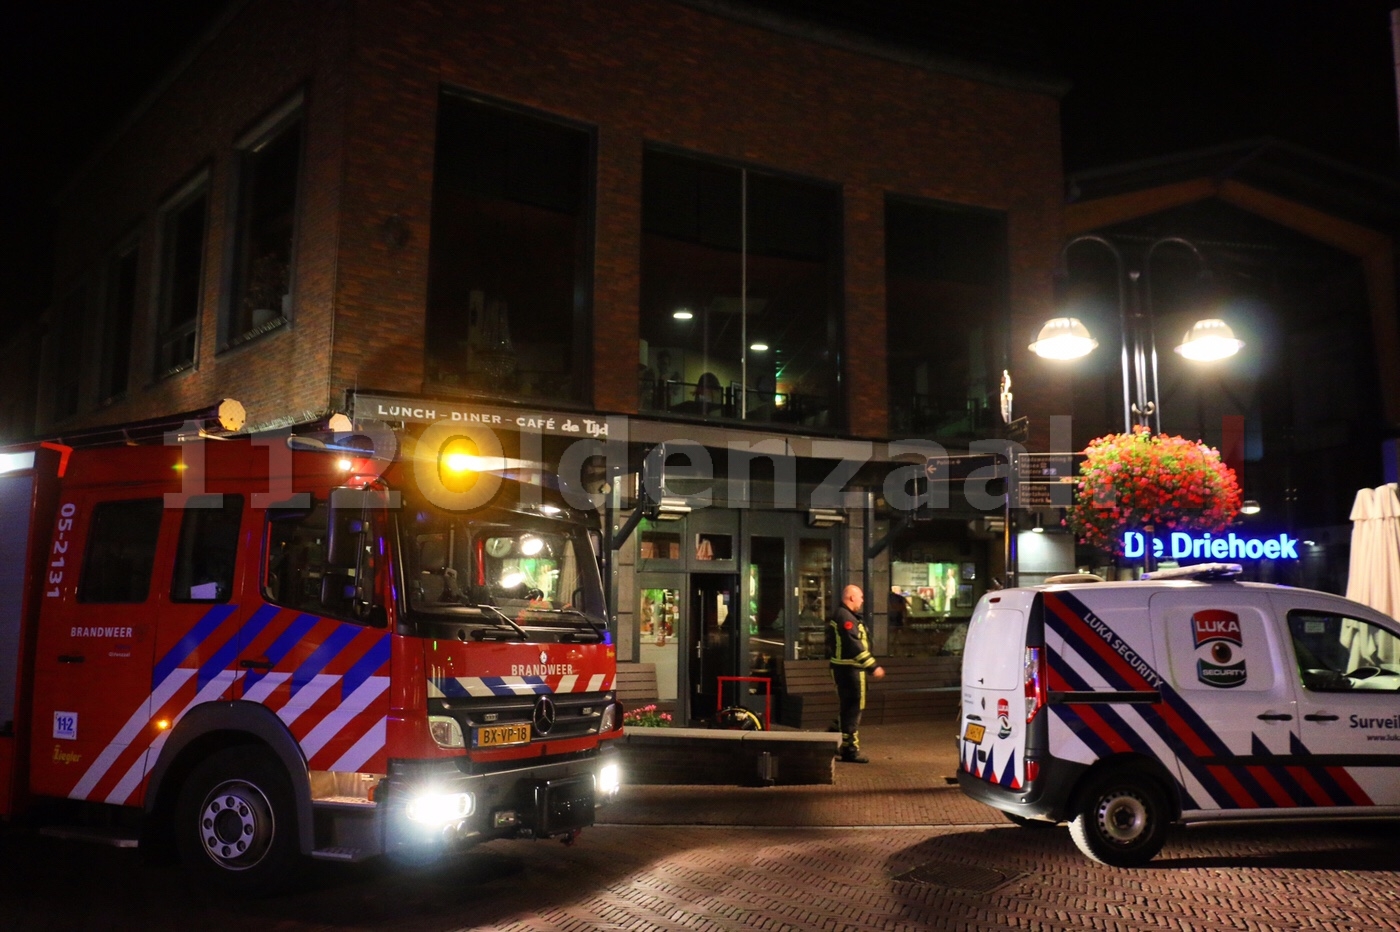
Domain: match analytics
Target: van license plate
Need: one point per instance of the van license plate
(497, 736)
(975, 733)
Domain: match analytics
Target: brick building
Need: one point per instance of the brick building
(729, 225)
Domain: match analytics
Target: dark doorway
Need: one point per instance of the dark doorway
(715, 620)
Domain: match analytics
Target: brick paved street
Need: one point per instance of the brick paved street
(878, 849)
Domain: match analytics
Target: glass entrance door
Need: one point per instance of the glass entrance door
(661, 630)
(715, 638)
(767, 604)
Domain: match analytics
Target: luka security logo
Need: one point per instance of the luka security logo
(1219, 648)
(1003, 718)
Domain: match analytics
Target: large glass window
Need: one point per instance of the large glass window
(181, 279)
(740, 294)
(509, 266)
(269, 172)
(117, 320)
(946, 318)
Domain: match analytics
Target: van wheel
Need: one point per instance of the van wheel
(1121, 819)
(235, 823)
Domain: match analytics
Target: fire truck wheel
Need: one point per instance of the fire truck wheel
(1121, 819)
(236, 822)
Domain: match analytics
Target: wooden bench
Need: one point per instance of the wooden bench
(636, 684)
(913, 689)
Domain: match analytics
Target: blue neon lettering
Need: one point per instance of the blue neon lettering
(1182, 545)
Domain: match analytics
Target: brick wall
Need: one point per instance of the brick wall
(639, 72)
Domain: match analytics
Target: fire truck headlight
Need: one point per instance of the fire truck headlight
(609, 720)
(435, 809)
(445, 731)
(609, 779)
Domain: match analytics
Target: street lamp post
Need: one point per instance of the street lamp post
(1068, 338)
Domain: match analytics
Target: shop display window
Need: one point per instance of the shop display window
(714, 547)
(659, 545)
(930, 604)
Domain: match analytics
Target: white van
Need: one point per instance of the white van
(1122, 707)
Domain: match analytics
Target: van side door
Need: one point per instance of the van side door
(1232, 713)
(1344, 663)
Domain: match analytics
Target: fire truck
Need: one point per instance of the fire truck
(256, 650)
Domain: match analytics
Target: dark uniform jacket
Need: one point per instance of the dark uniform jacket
(846, 641)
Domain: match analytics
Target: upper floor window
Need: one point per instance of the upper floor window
(119, 316)
(509, 276)
(946, 318)
(269, 173)
(182, 232)
(63, 354)
(741, 293)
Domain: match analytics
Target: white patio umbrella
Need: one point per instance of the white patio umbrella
(1373, 576)
(1363, 523)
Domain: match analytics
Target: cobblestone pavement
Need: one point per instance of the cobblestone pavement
(889, 846)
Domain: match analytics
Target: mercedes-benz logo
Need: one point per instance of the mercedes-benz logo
(544, 715)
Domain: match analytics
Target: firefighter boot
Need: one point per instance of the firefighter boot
(850, 750)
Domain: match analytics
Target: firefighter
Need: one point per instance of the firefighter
(848, 648)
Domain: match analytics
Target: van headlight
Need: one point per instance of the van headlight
(609, 720)
(445, 731)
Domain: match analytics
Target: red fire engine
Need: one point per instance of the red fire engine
(255, 650)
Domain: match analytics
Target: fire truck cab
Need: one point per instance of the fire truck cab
(251, 651)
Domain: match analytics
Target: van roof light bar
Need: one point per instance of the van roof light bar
(1201, 572)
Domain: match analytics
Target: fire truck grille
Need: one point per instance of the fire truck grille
(560, 715)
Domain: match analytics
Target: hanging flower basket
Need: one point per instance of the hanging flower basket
(1151, 483)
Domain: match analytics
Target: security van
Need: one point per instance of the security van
(1123, 707)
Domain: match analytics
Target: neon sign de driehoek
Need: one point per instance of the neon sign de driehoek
(1182, 546)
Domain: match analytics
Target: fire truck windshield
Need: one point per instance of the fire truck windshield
(540, 570)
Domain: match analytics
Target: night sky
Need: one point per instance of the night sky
(1149, 78)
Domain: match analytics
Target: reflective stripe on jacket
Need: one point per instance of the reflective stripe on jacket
(846, 641)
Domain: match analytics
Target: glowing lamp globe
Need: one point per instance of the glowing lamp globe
(1063, 338)
(1209, 340)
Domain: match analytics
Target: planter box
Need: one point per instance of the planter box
(703, 756)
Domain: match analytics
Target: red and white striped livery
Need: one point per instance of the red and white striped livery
(261, 649)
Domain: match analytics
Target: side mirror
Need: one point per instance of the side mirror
(349, 555)
(348, 527)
